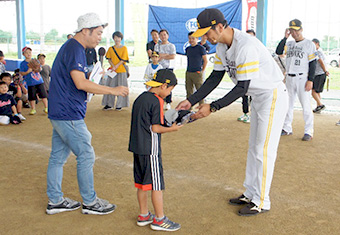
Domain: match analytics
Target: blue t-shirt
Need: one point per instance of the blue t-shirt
(65, 101)
(32, 78)
(6, 103)
(194, 55)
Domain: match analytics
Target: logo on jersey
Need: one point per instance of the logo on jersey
(187, 44)
(191, 24)
(36, 76)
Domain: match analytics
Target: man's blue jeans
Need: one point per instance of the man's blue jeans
(71, 136)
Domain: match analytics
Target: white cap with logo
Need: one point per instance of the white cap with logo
(89, 20)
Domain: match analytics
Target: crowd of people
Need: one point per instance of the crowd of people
(63, 91)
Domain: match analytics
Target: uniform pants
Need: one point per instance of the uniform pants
(296, 86)
(193, 79)
(268, 112)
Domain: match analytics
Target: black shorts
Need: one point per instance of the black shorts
(37, 89)
(148, 172)
(319, 82)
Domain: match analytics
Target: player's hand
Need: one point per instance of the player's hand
(287, 33)
(184, 105)
(120, 91)
(203, 111)
(309, 85)
(176, 127)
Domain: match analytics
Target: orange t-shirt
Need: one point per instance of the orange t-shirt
(123, 54)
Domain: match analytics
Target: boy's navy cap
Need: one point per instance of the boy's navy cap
(162, 76)
(295, 24)
(206, 19)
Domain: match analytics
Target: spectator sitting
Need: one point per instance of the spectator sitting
(15, 91)
(7, 106)
(45, 71)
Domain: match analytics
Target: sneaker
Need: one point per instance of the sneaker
(241, 200)
(246, 119)
(26, 105)
(145, 220)
(118, 109)
(251, 210)
(243, 117)
(33, 111)
(165, 225)
(338, 123)
(98, 207)
(318, 109)
(167, 106)
(286, 133)
(107, 108)
(22, 118)
(45, 110)
(307, 137)
(66, 205)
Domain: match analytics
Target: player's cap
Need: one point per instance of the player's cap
(162, 76)
(25, 48)
(39, 55)
(155, 53)
(295, 24)
(89, 20)
(206, 19)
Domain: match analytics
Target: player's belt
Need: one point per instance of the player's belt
(294, 74)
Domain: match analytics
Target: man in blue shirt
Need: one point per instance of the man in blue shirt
(67, 108)
(197, 62)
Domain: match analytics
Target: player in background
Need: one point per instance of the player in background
(300, 66)
(320, 77)
(254, 72)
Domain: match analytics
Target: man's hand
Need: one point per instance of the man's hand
(309, 85)
(287, 33)
(120, 91)
(184, 105)
(203, 111)
(327, 73)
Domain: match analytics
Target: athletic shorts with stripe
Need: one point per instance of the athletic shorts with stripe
(148, 172)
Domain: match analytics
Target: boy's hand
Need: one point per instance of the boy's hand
(176, 127)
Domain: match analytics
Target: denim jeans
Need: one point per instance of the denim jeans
(71, 136)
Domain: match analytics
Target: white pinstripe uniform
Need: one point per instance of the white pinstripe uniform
(248, 59)
(155, 165)
(299, 54)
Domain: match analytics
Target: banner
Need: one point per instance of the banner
(180, 21)
(252, 14)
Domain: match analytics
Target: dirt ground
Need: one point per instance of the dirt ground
(204, 166)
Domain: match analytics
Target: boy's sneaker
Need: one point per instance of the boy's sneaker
(251, 209)
(66, 205)
(33, 111)
(241, 200)
(307, 137)
(286, 133)
(45, 110)
(145, 220)
(338, 123)
(318, 109)
(107, 108)
(22, 118)
(98, 207)
(26, 105)
(165, 225)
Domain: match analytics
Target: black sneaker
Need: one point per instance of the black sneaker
(307, 137)
(241, 200)
(107, 108)
(98, 207)
(165, 225)
(251, 209)
(66, 205)
(319, 108)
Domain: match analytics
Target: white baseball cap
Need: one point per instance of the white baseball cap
(89, 20)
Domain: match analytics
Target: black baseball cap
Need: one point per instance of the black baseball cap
(295, 24)
(206, 19)
(162, 76)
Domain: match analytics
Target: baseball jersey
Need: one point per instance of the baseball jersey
(65, 101)
(147, 110)
(299, 54)
(320, 55)
(150, 71)
(33, 78)
(248, 59)
(168, 48)
(6, 103)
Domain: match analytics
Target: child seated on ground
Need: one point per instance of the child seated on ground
(15, 91)
(7, 107)
(147, 125)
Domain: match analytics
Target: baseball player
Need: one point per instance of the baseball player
(300, 65)
(255, 73)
